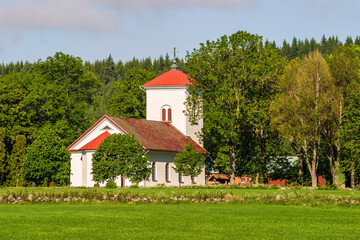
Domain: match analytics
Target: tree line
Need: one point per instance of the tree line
(260, 103)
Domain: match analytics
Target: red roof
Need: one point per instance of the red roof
(170, 78)
(94, 144)
(153, 135)
(156, 135)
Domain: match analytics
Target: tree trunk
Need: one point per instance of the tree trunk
(232, 165)
(352, 175)
(257, 179)
(301, 169)
(347, 179)
(266, 177)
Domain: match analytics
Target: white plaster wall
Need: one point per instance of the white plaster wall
(76, 169)
(175, 97)
(161, 158)
(192, 130)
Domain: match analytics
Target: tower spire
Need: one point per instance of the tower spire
(174, 66)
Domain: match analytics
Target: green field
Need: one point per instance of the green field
(259, 214)
(177, 221)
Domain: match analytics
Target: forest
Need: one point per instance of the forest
(302, 100)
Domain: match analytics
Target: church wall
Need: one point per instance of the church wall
(81, 176)
(76, 165)
(172, 96)
(192, 130)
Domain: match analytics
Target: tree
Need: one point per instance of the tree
(307, 95)
(47, 159)
(189, 162)
(350, 137)
(128, 100)
(344, 66)
(68, 87)
(3, 163)
(236, 76)
(120, 155)
(15, 177)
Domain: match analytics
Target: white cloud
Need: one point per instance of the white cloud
(63, 14)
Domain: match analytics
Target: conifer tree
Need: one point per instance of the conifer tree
(16, 162)
(3, 163)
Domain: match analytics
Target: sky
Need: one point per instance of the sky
(92, 29)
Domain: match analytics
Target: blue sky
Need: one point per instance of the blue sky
(93, 29)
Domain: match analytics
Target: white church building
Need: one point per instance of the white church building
(165, 132)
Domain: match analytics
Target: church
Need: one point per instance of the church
(165, 132)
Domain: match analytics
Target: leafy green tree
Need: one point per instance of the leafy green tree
(128, 100)
(189, 162)
(344, 66)
(47, 159)
(303, 105)
(3, 162)
(68, 88)
(15, 177)
(236, 76)
(120, 155)
(350, 137)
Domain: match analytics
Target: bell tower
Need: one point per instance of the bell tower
(165, 101)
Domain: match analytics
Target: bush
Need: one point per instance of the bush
(97, 184)
(52, 184)
(110, 184)
(45, 184)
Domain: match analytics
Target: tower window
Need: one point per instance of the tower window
(166, 115)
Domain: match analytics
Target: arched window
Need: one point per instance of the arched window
(153, 171)
(166, 113)
(167, 172)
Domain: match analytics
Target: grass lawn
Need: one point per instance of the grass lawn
(177, 221)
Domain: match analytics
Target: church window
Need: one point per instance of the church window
(163, 113)
(167, 172)
(166, 113)
(153, 172)
(169, 115)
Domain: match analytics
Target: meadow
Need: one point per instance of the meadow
(256, 216)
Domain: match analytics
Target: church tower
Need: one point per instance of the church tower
(165, 101)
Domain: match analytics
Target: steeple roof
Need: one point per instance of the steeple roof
(170, 78)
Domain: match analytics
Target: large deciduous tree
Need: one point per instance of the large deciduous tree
(128, 100)
(304, 106)
(236, 77)
(120, 155)
(344, 66)
(47, 159)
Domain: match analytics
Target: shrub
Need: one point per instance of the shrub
(97, 184)
(110, 184)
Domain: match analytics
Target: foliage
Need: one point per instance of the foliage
(304, 106)
(189, 162)
(128, 100)
(47, 160)
(118, 155)
(3, 162)
(110, 183)
(16, 162)
(236, 77)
